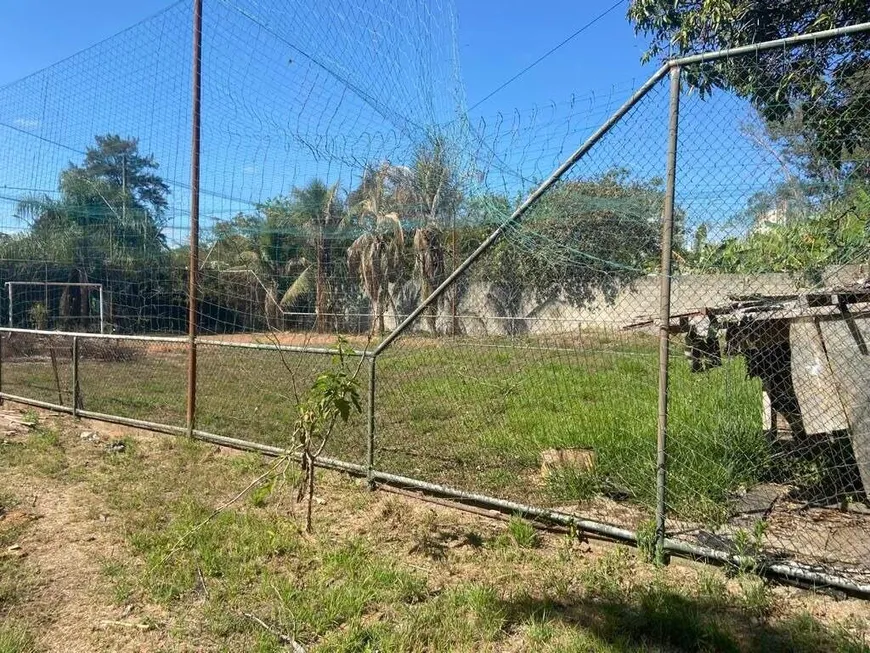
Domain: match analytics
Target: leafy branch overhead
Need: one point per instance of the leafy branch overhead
(821, 90)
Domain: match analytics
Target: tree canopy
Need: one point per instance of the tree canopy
(820, 92)
(104, 225)
(835, 234)
(109, 209)
(584, 240)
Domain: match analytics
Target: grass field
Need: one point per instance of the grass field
(467, 413)
(106, 549)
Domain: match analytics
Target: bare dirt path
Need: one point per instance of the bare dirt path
(69, 537)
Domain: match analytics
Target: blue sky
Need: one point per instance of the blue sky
(275, 114)
(497, 39)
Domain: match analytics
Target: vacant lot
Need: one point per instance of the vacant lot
(105, 547)
(469, 413)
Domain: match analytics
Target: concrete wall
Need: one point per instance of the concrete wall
(481, 306)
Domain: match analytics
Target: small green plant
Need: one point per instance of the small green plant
(755, 596)
(759, 530)
(332, 398)
(748, 547)
(260, 494)
(570, 542)
(712, 587)
(522, 533)
(31, 417)
(610, 575)
(540, 629)
(647, 541)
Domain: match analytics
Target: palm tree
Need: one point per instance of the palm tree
(56, 235)
(314, 218)
(377, 255)
(437, 198)
(290, 246)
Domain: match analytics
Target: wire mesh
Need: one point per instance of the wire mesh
(343, 182)
(92, 176)
(520, 381)
(38, 367)
(251, 394)
(138, 379)
(772, 279)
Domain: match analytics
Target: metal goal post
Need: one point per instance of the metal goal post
(45, 285)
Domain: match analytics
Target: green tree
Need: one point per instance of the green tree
(115, 165)
(115, 196)
(437, 198)
(108, 214)
(377, 256)
(293, 246)
(819, 92)
(587, 238)
(837, 233)
(315, 216)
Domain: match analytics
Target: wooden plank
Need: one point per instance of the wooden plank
(843, 340)
(815, 384)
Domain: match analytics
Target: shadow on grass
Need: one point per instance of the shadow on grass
(658, 617)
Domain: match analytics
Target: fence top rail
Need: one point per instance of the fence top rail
(52, 283)
(798, 39)
(200, 340)
(85, 334)
(296, 349)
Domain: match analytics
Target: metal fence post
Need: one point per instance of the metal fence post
(1, 369)
(102, 312)
(76, 396)
(370, 443)
(665, 314)
(194, 215)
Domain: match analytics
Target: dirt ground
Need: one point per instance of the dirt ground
(63, 549)
(63, 531)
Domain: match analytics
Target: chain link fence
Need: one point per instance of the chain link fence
(664, 341)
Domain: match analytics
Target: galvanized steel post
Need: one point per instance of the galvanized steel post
(76, 397)
(194, 215)
(665, 313)
(370, 442)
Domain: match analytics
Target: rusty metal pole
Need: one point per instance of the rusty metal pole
(194, 216)
(665, 314)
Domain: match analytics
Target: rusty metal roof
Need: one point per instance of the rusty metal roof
(837, 302)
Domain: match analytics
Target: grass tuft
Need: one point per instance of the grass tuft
(522, 533)
(16, 638)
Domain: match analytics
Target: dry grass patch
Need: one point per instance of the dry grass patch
(123, 532)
